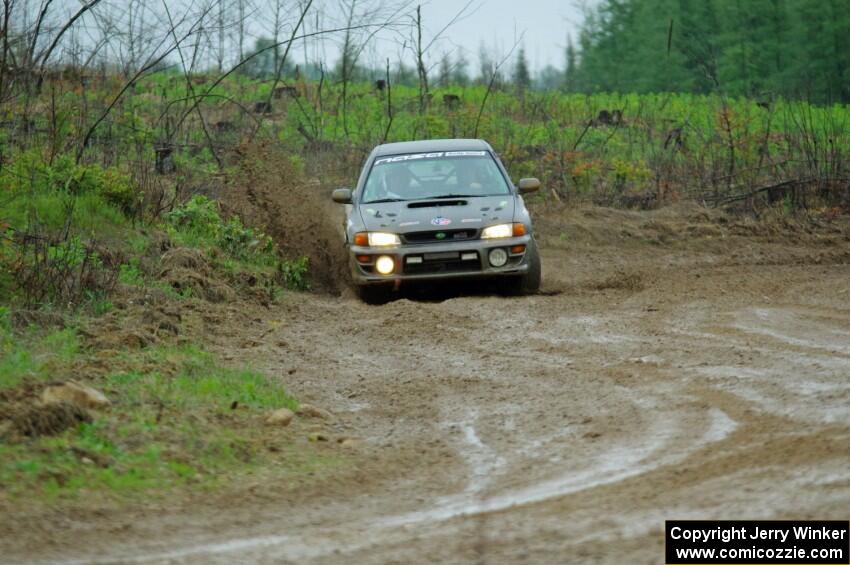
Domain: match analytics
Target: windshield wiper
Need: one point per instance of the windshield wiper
(385, 200)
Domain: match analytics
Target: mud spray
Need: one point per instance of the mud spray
(298, 213)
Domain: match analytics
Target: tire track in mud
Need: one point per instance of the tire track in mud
(694, 397)
(616, 464)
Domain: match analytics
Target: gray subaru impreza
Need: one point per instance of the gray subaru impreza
(439, 209)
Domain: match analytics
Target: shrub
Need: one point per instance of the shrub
(62, 194)
(60, 270)
(117, 189)
(293, 274)
(198, 216)
(245, 243)
(198, 223)
(200, 220)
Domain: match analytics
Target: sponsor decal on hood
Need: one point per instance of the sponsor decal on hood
(440, 221)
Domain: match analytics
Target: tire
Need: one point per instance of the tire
(374, 294)
(529, 283)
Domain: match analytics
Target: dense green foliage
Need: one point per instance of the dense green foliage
(69, 232)
(607, 148)
(760, 48)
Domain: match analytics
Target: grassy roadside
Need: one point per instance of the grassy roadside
(94, 290)
(178, 419)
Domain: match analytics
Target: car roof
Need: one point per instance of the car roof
(430, 145)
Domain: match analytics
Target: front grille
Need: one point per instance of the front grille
(448, 262)
(436, 267)
(435, 237)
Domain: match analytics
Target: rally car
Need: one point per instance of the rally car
(439, 209)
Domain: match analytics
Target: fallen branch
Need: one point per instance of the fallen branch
(743, 196)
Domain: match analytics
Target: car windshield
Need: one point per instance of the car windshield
(424, 176)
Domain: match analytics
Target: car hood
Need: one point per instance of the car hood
(427, 215)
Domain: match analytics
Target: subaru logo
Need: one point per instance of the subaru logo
(441, 221)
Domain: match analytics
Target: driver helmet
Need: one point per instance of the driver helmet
(468, 173)
(398, 179)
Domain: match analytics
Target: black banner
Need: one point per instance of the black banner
(757, 542)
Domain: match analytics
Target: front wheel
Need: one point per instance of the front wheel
(528, 283)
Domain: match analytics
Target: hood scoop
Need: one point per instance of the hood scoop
(436, 203)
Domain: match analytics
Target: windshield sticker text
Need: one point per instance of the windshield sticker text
(438, 155)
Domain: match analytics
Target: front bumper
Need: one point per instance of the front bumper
(423, 262)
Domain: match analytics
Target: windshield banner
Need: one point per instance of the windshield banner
(438, 155)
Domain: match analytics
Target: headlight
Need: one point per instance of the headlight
(501, 230)
(504, 230)
(380, 239)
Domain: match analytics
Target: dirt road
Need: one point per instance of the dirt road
(670, 369)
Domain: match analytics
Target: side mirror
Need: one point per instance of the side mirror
(342, 196)
(528, 185)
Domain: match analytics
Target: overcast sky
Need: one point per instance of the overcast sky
(497, 22)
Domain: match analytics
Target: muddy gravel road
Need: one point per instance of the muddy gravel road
(670, 369)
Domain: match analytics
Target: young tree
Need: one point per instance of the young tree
(404, 75)
(571, 66)
(265, 63)
(550, 78)
(445, 72)
(460, 72)
(421, 68)
(486, 66)
(522, 74)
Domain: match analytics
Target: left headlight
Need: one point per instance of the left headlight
(503, 230)
(381, 239)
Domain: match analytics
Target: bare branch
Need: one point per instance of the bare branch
(49, 51)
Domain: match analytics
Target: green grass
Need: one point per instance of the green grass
(170, 425)
(194, 380)
(130, 274)
(34, 355)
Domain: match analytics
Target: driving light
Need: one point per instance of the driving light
(500, 230)
(385, 265)
(498, 257)
(380, 239)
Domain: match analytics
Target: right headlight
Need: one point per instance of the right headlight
(500, 230)
(503, 230)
